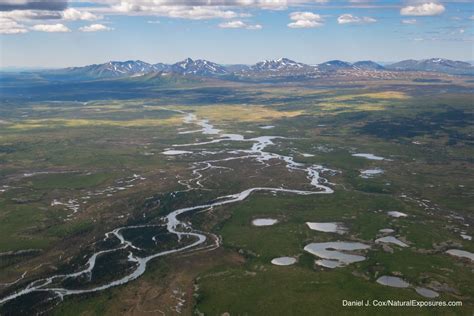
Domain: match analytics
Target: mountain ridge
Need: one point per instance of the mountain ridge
(271, 68)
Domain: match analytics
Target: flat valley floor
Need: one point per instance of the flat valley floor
(240, 199)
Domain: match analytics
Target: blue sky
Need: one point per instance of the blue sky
(59, 34)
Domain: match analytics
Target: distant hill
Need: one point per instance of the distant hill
(434, 65)
(164, 79)
(368, 65)
(237, 68)
(335, 65)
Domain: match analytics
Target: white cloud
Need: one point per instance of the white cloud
(305, 16)
(255, 27)
(199, 13)
(305, 20)
(166, 8)
(267, 4)
(46, 5)
(471, 17)
(8, 26)
(23, 15)
(233, 25)
(304, 24)
(29, 16)
(351, 19)
(200, 9)
(95, 28)
(409, 21)
(174, 11)
(72, 14)
(51, 28)
(263, 4)
(237, 24)
(425, 9)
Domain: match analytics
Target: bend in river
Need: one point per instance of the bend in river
(52, 285)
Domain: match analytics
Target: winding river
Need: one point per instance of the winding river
(52, 285)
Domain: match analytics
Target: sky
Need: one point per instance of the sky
(60, 33)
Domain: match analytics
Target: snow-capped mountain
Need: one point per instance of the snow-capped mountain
(161, 67)
(199, 67)
(281, 64)
(277, 68)
(435, 65)
(114, 69)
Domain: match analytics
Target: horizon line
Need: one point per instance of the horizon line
(24, 68)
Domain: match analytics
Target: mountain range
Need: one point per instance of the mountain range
(282, 67)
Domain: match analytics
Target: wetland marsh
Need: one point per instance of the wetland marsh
(227, 206)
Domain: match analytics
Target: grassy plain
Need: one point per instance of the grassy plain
(85, 151)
